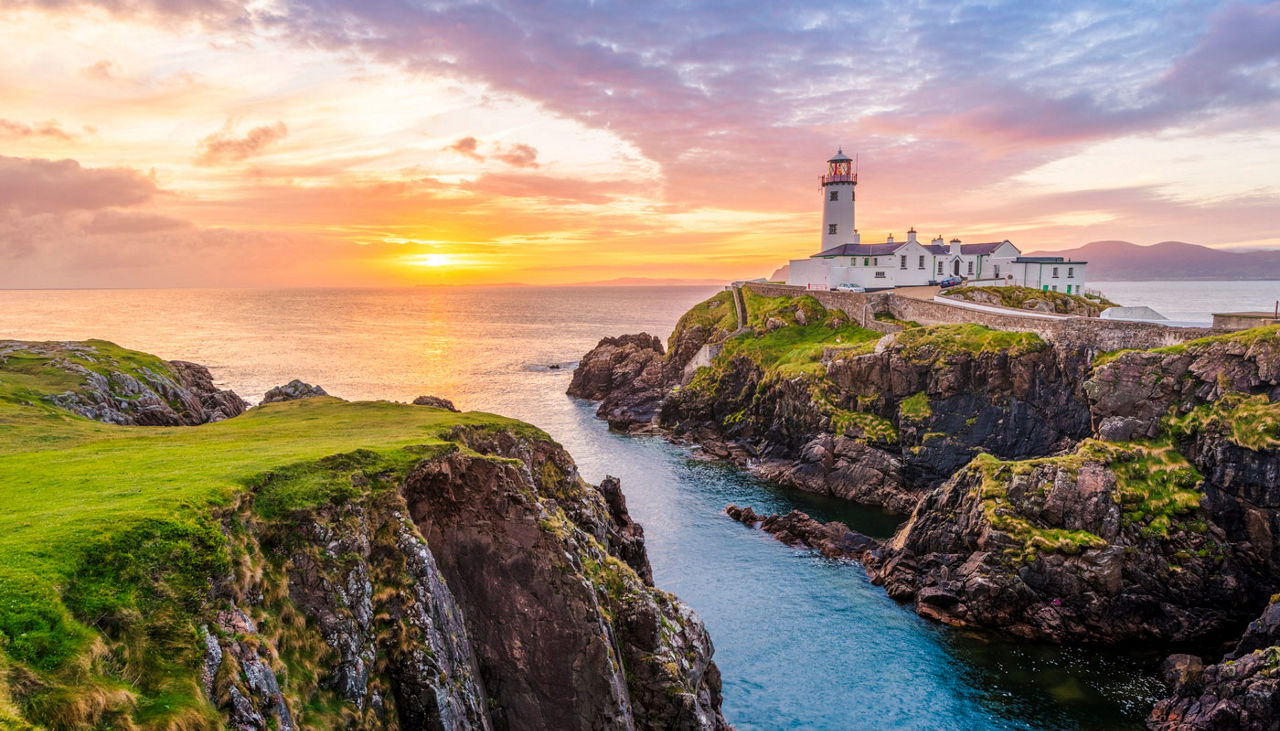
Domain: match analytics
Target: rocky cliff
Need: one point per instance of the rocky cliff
(1054, 493)
(434, 570)
(108, 383)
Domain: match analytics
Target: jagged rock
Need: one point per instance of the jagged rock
(292, 391)
(435, 402)
(833, 540)
(626, 374)
(1044, 550)
(490, 588)
(175, 393)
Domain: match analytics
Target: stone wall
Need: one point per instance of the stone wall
(1085, 333)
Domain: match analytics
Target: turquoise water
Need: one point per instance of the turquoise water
(802, 641)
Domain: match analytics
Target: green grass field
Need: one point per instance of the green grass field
(98, 520)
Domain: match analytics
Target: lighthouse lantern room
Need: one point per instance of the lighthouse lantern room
(837, 201)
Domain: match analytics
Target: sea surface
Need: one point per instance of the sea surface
(803, 642)
(1193, 301)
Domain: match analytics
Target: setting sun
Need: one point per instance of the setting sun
(432, 260)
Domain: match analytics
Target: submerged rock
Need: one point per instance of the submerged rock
(292, 391)
(833, 540)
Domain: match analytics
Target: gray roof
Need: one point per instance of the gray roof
(1046, 260)
(888, 248)
(840, 156)
(862, 249)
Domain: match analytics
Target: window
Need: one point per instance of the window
(866, 262)
(831, 228)
(970, 265)
(1055, 276)
(876, 261)
(1071, 272)
(835, 195)
(879, 275)
(921, 264)
(939, 267)
(902, 261)
(1055, 288)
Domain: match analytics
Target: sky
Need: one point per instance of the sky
(178, 143)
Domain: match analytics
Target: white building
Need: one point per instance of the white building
(843, 257)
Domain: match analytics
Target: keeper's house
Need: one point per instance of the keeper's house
(909, 263)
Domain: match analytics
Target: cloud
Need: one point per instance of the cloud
(104, 70)
(51, 128)
(466, 147)
(518, 155)
(35, 185)
(223, 147)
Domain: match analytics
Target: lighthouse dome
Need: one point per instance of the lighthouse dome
(840, 156)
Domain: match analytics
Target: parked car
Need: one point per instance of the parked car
(848, 287)
(951, 282)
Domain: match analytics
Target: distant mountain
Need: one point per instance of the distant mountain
(1123, 261)
(649, 282)
(780, 274)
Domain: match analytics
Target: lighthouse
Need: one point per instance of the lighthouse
(837, 201)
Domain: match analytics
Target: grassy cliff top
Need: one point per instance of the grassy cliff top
(68, 484)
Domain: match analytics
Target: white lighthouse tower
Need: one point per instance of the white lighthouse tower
(837, 201)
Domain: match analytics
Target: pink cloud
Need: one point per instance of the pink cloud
(223, 147)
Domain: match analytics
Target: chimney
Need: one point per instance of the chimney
(938, 241)
(857, 237)
(911, 235)
(889, 240)
(955, 246)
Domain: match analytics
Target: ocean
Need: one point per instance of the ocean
(802, 641)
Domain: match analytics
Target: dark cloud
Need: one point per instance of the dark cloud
(33, 185)
(223, 147)
(11, 129)
(466, 147)
(518, 155)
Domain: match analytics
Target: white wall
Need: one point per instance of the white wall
(838, 212)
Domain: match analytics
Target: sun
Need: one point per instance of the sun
(433, 260)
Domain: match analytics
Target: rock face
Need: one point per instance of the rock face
(883, 427)
(626, 374)
(1242, 692)
(122, 387)
(1061, 549)
(491, 588)
(292, 391)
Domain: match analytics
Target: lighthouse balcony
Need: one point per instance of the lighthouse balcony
(840, 178)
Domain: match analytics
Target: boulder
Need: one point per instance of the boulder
(292, 391)
(435, 402)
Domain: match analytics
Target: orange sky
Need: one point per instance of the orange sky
(214, 143)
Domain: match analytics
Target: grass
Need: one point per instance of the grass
(904, 324)
(716, 313)
(1251, 422)
(915, 407)
(108, 529)
(1017, 297)
(928, 343)
(794, 349)
(1269, 334)
(1156, 489)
